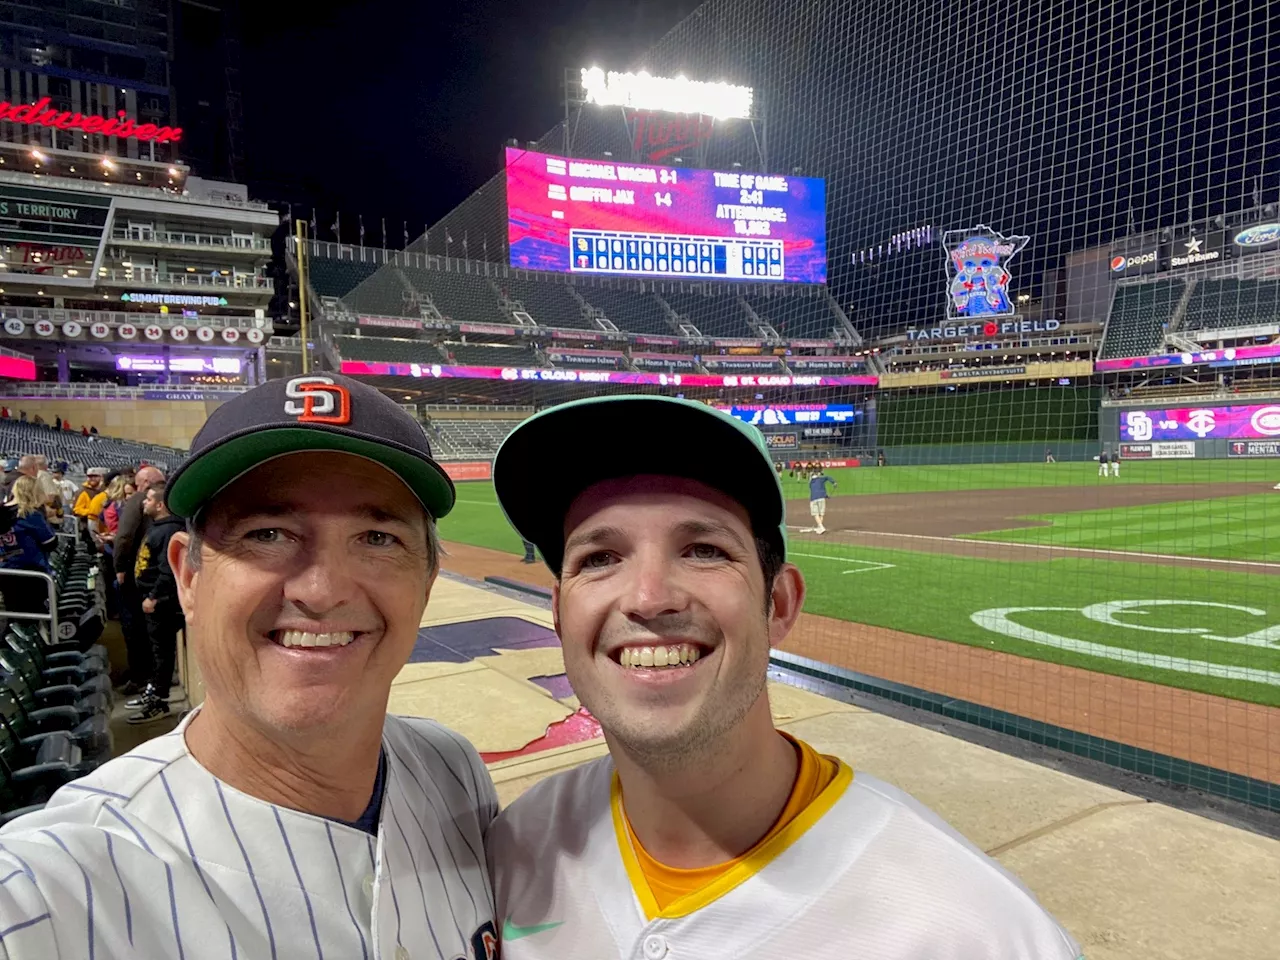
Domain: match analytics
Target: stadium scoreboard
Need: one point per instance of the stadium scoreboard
(718, 258)
(598, 217)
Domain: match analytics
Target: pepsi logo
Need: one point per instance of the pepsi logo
(1266, 421)
(1118, 264)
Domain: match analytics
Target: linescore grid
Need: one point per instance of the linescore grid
(589, 216)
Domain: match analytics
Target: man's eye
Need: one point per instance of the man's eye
(706, 551)
(601, 558)
(266, 535)
(380, 538)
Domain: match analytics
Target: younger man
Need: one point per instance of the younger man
(706, 832)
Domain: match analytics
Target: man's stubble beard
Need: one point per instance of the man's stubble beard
(699, 740)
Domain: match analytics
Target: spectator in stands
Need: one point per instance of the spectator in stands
(38, 420)
(84, 431)
(25, 547)
(57, 423)
(22, 416)
(66, 489)
(4, 412)
(161, 610)
(92, 499)
(93, 431)
(131, 530)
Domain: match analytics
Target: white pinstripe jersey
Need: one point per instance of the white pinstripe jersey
(878, 875)
(151, 856)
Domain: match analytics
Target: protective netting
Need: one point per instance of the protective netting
(1015, 194)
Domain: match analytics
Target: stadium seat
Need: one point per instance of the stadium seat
(460, 297)
(1139, 313)
(798, 314)
(491, 355)
(18, 438)
(336, 278)
(468, 439)
(549, 302)
(715, 313)
(633, 311)
(387, 350)
(1220, 304)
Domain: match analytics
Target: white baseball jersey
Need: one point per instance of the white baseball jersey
(878, 875)
(151, 856)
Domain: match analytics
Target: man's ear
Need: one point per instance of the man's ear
(186, 570)
(787, 599)
(555, 606)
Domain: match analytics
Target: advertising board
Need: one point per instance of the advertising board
(604, 217)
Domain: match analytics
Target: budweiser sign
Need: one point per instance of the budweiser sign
(39, 114)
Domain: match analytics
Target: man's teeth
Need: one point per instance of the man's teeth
(298, 638)
(676, 655)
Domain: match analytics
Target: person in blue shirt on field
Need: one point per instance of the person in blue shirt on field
(818, 497)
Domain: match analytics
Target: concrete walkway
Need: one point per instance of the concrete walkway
(1132, 880)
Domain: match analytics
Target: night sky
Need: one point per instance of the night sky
(399, 110)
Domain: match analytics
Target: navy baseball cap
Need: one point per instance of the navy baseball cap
(304, 414)
(604, 438)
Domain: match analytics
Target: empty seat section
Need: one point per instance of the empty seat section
(634, 311)
(1139, 313)
(467, 439)
(1228, 302)
(550, 304)
(384, 293)
(17, 438)
(715, 315)
(491, 355)
(387, 349)
(797, 316)
(337, 278)
(461, 297)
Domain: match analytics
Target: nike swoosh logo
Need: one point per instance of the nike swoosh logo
(512, 932)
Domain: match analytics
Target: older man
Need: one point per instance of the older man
(288, 816)
(706, 832)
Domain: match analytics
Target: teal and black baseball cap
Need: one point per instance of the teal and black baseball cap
(321, 412)
(551, 458)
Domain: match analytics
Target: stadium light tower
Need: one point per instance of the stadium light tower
(660, 115)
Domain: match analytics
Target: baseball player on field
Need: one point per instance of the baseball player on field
(287, 816)
(706, 832)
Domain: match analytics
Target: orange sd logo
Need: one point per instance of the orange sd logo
(317, 400)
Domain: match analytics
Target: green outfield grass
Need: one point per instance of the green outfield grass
(1237, 528)
(938, 596)
(1005, 476)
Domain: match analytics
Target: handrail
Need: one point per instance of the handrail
(41, 390)
(137, 276)
(51, 616)
(188, 238)
(147, 193)
(59, 315)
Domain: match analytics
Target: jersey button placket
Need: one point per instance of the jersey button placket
(654, 946)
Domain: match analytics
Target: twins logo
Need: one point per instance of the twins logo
(323, 401)
(976, 261)
(1202, 422)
